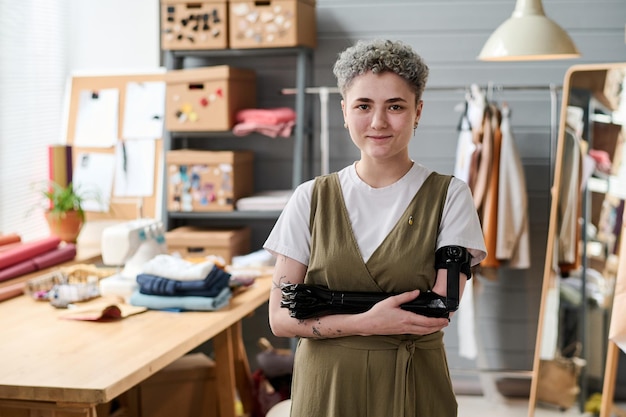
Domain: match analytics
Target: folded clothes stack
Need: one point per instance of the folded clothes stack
(274, 122)
(171, 283)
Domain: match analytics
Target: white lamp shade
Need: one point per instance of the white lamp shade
(528, 35)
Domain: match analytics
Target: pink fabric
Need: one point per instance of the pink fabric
(27, 250)
(283, 129)
(602, 159)
(56, 256)
(19, 269)
(274, 116)
(45, 260)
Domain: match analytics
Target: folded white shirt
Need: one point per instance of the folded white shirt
(172, 267)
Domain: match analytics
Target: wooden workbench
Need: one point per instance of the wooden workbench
(69, 367)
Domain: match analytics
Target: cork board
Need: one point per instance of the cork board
(127, 207)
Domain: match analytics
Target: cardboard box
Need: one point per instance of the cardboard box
(272, 23)
(190, 242)
(207, 180)
(194, 25)
(185, 388)
(207, 99)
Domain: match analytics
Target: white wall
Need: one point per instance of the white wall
(114, 35)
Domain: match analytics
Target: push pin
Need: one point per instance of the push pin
(216, 18)
(410, 220)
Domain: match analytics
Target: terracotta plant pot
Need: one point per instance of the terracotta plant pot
(65, 225)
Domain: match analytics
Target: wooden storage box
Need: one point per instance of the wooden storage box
(190, 241)
(208, 180)
(194, 25)
(185, 388)
(208, 98)
(272, 23)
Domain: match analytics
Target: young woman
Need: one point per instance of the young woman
(374, 226)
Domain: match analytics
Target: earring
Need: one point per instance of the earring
(345, 125)
(415, 127)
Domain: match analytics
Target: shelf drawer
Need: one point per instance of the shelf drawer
(200, 181)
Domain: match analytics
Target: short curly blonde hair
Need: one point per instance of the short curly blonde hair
(380, 56)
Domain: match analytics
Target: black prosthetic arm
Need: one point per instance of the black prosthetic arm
(306, 301)
(455, 259)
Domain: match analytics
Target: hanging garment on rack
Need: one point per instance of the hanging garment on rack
(480, 166)
(490, 207)
(569, 198)
(513, 240)
(471, 120)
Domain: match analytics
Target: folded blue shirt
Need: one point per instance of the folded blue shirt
(182, 303)
(210, 286)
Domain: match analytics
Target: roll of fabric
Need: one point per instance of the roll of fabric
(53, 257)
(28, 251)
(56, 256)
(19, 269)
(9, 238)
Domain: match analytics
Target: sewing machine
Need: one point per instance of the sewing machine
(129, 245)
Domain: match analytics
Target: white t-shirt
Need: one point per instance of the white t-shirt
(374, 212)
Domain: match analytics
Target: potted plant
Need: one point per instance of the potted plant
(64, 213)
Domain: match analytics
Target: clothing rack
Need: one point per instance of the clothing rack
(324, 92)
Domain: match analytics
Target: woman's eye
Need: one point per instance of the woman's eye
(362, 107)
(395, 107)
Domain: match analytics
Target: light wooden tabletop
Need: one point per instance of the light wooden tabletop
(45, 358)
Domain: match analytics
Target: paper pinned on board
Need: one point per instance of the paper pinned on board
(97, 118)
(93, 175)
(144, 110)
(135, 168)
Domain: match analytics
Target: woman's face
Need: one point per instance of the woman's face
(380, 113)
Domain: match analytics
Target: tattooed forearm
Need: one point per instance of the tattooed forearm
(282, 280)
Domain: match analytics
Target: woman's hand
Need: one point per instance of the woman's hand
(387, 317)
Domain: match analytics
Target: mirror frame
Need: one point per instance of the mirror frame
(554, 187)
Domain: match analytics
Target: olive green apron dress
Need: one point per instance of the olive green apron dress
(373, 376)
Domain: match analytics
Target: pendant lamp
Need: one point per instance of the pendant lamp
(528, 35)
